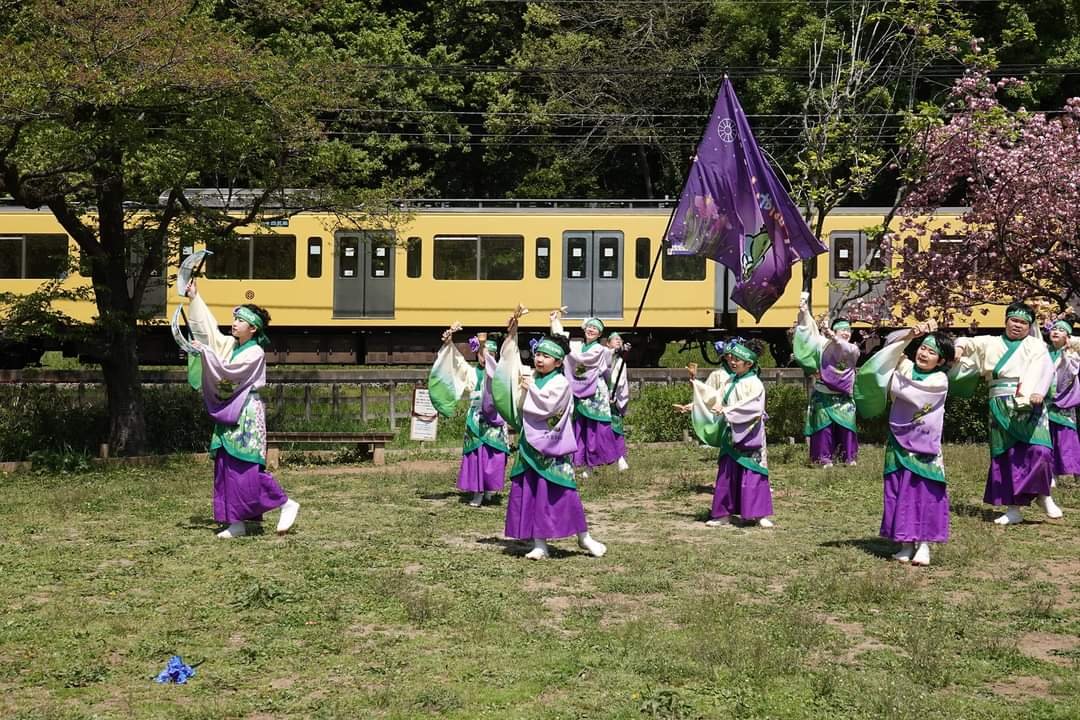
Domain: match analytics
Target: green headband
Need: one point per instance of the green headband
(841, 325)
(1064, 326)
(250, 317)
(931, 343)
(551, 348)
(595, 322)
(614, 335)
(1022, 315)
(742, 352)
(490, 345)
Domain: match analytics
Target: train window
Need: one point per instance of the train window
(381, 245)
(231, 259)
(502, 257)
(577, 257)
(543, 257)
(11, 251)
(413, 258)
(273, 257)
(609, 257)
(348, 256)
(843, 260)
(314, 257)
(875, 253)
(479, 257)
(682, 267)
(642, 256)
(455, 258)
(33, 256)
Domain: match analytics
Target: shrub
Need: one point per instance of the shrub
(651, 417)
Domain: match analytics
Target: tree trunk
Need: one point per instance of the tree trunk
(123, 384)
(646, 173)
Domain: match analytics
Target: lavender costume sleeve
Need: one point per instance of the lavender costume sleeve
(744, 415)
(585, 367)
(918, 410)
(620, 391)
(246, 372)
(554, 400)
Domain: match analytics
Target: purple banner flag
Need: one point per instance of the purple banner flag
(734, 210)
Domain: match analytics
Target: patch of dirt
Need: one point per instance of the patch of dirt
(412, 568)
(283, 683)
(617, 607)
(1022, 687)
(859, 642)
(1047, 646)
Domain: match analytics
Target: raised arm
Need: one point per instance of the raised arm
(204, 326)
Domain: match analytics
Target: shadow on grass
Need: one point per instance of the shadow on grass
(518, 548)
(966, 509)
(462, 497)
(876, 546)
(200, 522)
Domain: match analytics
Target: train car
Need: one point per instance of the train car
(343, 294)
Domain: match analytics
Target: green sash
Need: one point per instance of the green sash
(557, 470)
(825, 409)
(479, 433)
(931, 467)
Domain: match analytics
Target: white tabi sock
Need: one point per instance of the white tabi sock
(237, 529)
(1012, 516)
(1050, 507)
(288, 516)
(905, 552)
(539, 551)
(623, 465)
(922, 554)
(477, 500)
(593, 547)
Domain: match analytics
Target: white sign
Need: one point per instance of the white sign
(425, 419)
(606, 273)
(541, 252)
(575, 273)
(380, 252)
(843, 253)
(576, 252)
(348, 273)
(380, 273)
(609, 252)
(315, 249)
(350, 251)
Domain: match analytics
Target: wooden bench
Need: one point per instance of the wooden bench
(373, 443)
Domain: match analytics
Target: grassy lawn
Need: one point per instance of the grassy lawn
(393, 599)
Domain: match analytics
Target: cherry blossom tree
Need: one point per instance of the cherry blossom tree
(1018, 174)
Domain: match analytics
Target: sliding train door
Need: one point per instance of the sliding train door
(592, 284)
(364, 274)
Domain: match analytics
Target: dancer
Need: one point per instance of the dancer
(830, 414)
(544, 502)
(619, 390)
(233, 370)
(912, 375)
(585, 368)
(483, 455)
(1019, 370)
(728, 412)
(1064, 398)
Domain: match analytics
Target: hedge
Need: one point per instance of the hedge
(38, 420)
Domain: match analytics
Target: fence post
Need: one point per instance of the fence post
(363, 403)
(307, 403)
(279, 398)
(393, 398)
(334, 400)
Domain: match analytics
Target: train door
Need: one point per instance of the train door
(592, 283)
(364, 274)
(850, 251)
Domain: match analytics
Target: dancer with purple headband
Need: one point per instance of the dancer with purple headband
(1064, 398)
(1018, 367)
(483, 455)
(830, 414)
(585, 369)
(233, 369)
(910, 371)
(728, 412)
(544, 502)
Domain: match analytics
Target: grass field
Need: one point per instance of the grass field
(394, 599)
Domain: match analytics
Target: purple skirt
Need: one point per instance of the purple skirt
(740, 492)
(1019, 475)
(916, 509)
(537, 508)
(1066, 449)
(826, 441)
(243, 490)
(597, 443)
(482, 470)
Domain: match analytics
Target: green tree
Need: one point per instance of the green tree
(108, 106)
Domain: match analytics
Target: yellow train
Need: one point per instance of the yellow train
(373, 295)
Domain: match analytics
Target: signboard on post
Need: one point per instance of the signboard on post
(424, 423)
